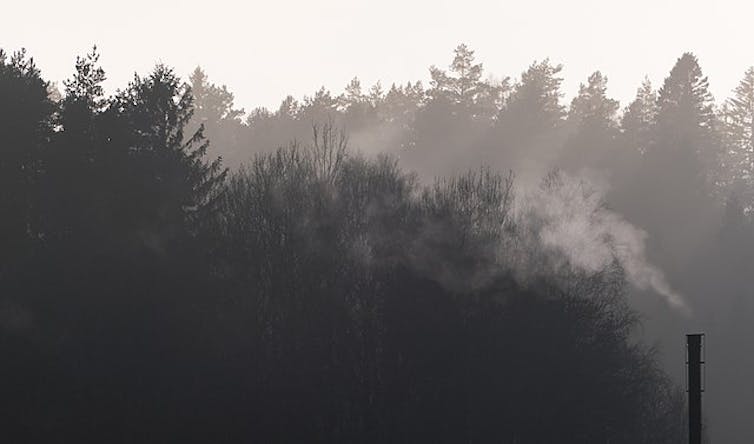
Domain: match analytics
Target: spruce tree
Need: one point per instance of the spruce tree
(686, 130)
(677, 177)
(167, 181)
(593, 125)
(738, 130)
(26, 114)
(640, 117)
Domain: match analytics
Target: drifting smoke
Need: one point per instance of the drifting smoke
(568, 216)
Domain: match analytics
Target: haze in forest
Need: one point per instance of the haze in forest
(359, 222)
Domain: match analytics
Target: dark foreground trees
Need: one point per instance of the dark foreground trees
(313, 296)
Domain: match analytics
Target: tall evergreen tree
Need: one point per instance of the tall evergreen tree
(397, 113)
(168, 184)
(214, 109)
(212, 103)
(376, 94)
(593, 125)
(353, 94)
(531, 123)
(535, 100)
(26, 113)
(592, 107)
(463, 85)
(401, 103)
(637, 138)
(677, 175)
(320, 106)
(359, 109)
(686, 123)
(738, 130)
(76, 175)
(640, 117)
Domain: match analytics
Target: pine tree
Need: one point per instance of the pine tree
(26, 115)
(592, 107)
(319, 107)
(215, 110)
(212, 104)
(593, 124)
(640, 118)
(376, 94)
(685, 101)
(463, 85)
(677, 175)
(357, 107)
(86, 84)
(738, 130)
(397, 111)
(636, 139)
(535, 100)
(533, 117)
(75, 165)
(353, 95)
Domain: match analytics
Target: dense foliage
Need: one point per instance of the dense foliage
(314, 293)
(674, 162)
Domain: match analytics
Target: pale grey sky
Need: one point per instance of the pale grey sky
(265, 50)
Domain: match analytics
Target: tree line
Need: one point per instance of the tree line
(314, 293)
(674, 161)
(464, 115)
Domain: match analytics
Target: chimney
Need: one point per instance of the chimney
(694, 385)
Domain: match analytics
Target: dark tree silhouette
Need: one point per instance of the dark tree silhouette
(26, 114)
(321, 293)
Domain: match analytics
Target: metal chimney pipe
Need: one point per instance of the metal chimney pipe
(694, 366)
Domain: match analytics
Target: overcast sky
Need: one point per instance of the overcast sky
(265, 50)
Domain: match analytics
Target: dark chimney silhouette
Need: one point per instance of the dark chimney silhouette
(694, 367)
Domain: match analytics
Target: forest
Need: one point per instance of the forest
(470, 260)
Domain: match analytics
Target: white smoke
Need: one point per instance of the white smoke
(568, 216)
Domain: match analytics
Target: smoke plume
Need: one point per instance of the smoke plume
(568, 216)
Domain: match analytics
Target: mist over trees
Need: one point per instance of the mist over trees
(470, 260)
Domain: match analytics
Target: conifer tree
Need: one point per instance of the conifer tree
(592, 107)
(26, 114)
(212, 104)
(534, 105)
(170, 185)
(686, 127)
(463, 85)
(593, 124)
(738, 131)
(640, 117)
(76, 163)
(531, 123)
